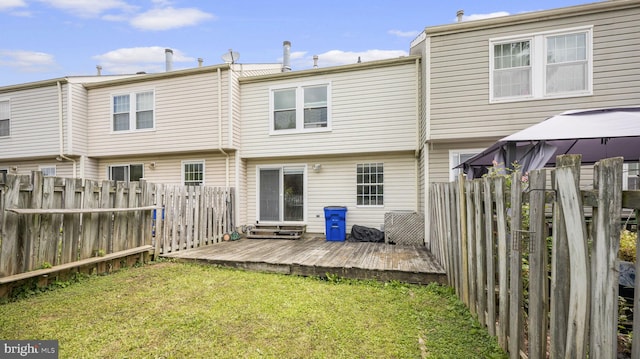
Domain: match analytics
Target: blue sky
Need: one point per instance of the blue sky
(43, 39)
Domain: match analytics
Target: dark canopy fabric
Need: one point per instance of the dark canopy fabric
(595, 134)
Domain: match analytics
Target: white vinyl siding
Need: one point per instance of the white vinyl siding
(301, 108)
(186, 117)
(541, 65)
(334, 184)
(133, 111)
(371, 110)
(5, 118)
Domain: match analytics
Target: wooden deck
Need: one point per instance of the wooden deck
(314, 256)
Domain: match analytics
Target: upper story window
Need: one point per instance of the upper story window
(133, 111)
(545, 65)
(370, 184)
(301, 108)
(193, 173)
(126, 173)
(5, 119)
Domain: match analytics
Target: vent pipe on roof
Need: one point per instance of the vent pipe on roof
(286, 56)
(460, 14)
(315, 61)
(200, 61)
(168, 55)
(99, 68)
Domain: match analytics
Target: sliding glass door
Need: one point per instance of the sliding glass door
(281, 194)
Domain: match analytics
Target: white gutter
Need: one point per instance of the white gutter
(226, 177)
(61, 129)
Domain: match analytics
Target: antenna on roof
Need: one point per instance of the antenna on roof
(231, 57)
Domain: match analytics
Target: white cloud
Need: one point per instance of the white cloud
(399, 33)
(90, 8)
(169, 18)
(483, 16)
(27, 61)
(11, 4)
(339, 57)
(134, 59)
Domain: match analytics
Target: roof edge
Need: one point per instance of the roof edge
(332, 69)
(528, 17)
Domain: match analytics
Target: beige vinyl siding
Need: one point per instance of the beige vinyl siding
(168, 168)
(234, 139)
(34, 123)
(26, 167)
(372, 110)
(79, 143)
(460, 73)
(91, 169)
(335, 185)
(186, 116)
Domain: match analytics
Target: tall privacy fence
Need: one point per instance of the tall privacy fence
(540, 296)
(52, 222)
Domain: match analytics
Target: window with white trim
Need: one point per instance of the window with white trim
(3, 171)
(543, 65)
(5, 119)
(193, 173)
(300, 108)
(126, 173)
(457, 157)
(631, 176)
(133, 111)
(370, 184)
(48, 170)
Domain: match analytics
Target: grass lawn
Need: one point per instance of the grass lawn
(175, 310)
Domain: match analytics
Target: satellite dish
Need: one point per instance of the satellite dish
(231, 57)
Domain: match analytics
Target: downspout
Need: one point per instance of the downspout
(61, 127)
(417, 150)
(226, 177)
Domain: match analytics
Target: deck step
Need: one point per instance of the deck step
(275, 231)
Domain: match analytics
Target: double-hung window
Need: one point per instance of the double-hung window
(133, 111)
(301, 108)
(5, 119)
(193, 173)
(48, 170)
(370, 184)
(126, 173)
(551, 64)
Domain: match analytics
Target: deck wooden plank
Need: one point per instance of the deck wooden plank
(316, 256)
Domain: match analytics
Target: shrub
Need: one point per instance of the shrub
(628, 241)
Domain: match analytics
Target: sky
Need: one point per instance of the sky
(46, 39)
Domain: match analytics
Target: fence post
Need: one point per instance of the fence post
(480, 267)
(607, 181)
(464, 272)
(503, 269)
(579, 295)
(490, 267)
(515, 270)
(9, 260)
(471, 248)
(537, 265)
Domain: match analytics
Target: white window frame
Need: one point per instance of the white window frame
(454, 159)
(8, 101)
(538, 64)
(370, 184)
(189, 162)
(46, 170)
(132, 111)
(128, 165)
(281, 168)
(299, 90)
(626, 176)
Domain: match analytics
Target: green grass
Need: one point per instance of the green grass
(174, 310)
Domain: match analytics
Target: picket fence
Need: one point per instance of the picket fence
(569, 309)
(51, 222)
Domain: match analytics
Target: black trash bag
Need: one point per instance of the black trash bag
(365, 234)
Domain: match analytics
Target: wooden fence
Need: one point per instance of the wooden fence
(539, 297)
(48, 223)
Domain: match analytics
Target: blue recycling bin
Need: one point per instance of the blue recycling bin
(335, 223)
